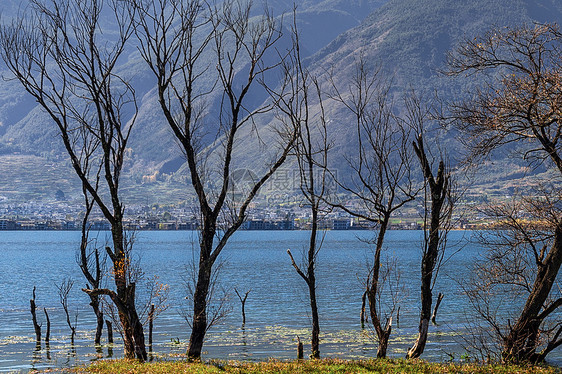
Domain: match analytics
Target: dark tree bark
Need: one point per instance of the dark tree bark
(36, 325)
(48, 332)
(363, 315)
(439, 216)
(243, 302)
(437, 303)
(109, 331)
(150, 325)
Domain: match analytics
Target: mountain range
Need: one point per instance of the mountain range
(407, 39)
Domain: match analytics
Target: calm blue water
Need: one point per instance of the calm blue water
(277, 308)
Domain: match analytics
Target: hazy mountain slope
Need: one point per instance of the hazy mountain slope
(409, 40)
(26, 130)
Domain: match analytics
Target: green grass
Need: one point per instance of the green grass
(313, 366)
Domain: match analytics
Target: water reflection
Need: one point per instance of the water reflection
(48, 350)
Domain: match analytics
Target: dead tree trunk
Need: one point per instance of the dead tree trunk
(439, 192)
(64, 289)
(434, 315)
(311, 283)
(36, 325)
(94, 303)
(381, 179)
(48, 332)
(109, 331)
(243, 302)
(300, 349)
(150, 325)
(363, 315)
(311, 148)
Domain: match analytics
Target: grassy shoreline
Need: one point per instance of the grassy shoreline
(309, 366)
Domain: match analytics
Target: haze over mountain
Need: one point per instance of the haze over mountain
(408, 39)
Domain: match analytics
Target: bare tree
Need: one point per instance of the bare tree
(36, 325)
(64, 289)
(521, 105)
(381, 180)
(61, 57)
(294, 107)
(243, 302)
(438, 208)
(174, 36)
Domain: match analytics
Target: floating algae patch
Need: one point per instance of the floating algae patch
(15, 339)
(281, 342)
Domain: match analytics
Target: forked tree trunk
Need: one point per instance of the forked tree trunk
(383, 340)
(133, 334)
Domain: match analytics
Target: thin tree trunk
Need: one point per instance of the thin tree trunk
(48, 332)
(36, 325)
(437, 304)
(243, 302)
(109, 331)
(311, 278)
(150, 326)
(315, 334)
(363, 315)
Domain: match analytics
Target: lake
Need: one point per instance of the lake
(277, 307)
